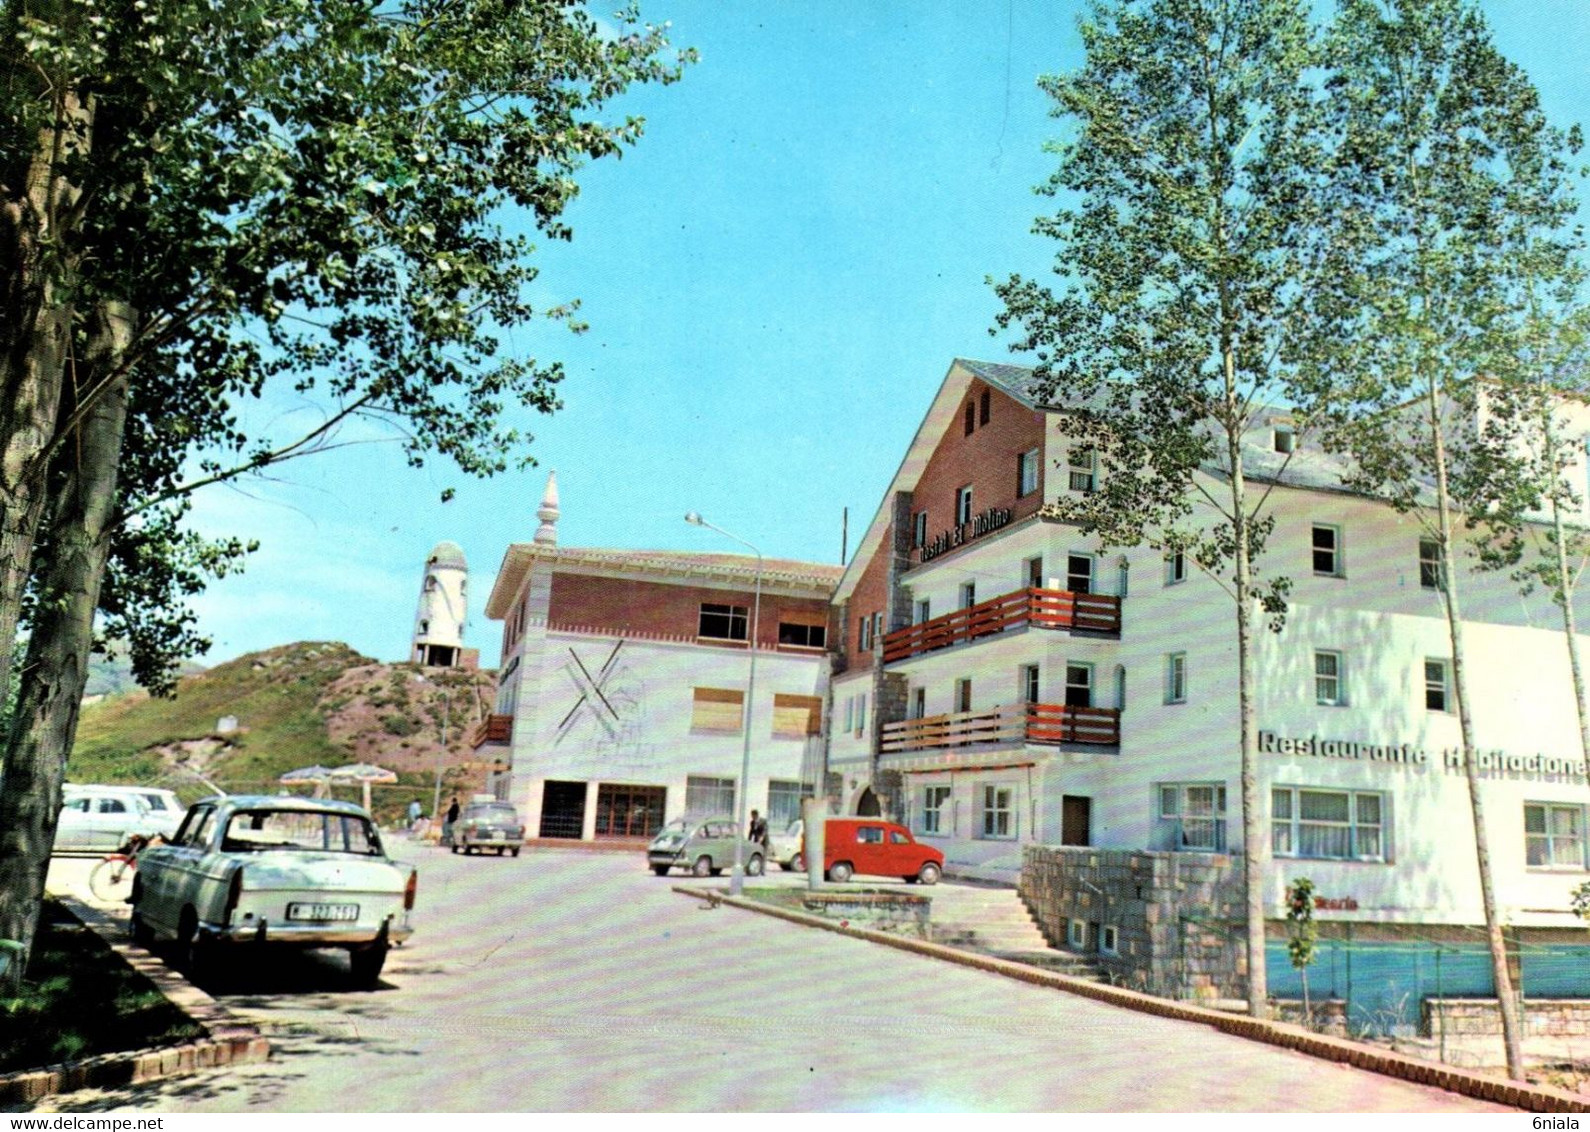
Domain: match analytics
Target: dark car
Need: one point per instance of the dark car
(488, 825)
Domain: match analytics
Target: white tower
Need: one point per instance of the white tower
(439, 621)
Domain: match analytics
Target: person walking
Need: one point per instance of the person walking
(447, 822)
(758, 831)
(414, 813)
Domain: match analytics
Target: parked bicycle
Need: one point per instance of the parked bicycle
(112, 879)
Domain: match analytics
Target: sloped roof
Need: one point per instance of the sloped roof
(782, 575)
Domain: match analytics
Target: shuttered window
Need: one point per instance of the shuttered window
(795, 717)
(717, 709)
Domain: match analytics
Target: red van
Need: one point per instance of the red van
(877, 848)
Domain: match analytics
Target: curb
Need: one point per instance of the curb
(1530, 1098)
(227, 1040)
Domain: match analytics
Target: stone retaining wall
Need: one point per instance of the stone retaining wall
(1468, 1017)
(1177, 916)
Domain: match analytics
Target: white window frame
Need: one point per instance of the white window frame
(861, 715)
(1550, 838)
(920, 526)
(923, 611)
(936, 797)
(864, 635)
(1032, 573)
(1109, 940)
(997, 812)
(1337, 551)
(1443, 688)
(1287, 829)
(1027, 473)
(1030, 684)
(1077, 934)
(1176, 568)
(1338, 677)
(963, 505)
(1430, 565)
(1176, 678)
(1175, 804)
(1082, 468)
(968, 594)
(1092, 573)
(1085, 668)
(963, 694)
(919, 703)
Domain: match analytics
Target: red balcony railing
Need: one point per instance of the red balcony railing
(1013, 723)
(1047, 609)
(492, 729)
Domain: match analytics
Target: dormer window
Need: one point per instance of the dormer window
(1285, 438)
(971, 417)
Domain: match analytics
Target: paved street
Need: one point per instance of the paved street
(564, 980)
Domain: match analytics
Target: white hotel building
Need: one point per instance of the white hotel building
(999, 682)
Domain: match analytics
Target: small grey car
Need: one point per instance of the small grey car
(703, 846)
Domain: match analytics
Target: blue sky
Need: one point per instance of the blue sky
(776, 279)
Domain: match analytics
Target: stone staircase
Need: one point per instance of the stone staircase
(993, 920)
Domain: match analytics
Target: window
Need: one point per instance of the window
(1285, 438)
(784, 802)
(1079, 685)
(968, 594)
(877, 627)
(1328, 688)
(864, 635)
(1110, 940)
(963, 695)
(1120, 687)
(1175, 568)
(425, 627)
(1176, 678)
(971, 417)
(1328, 550)
(1192, 816)
(1336, 825)
(1553, 836)
(984, 405)
(795, 717)
(1436, 695)
(996, 811)
(1079, 573)
(1029, 683)
(869, 835)
(1027, 472)
(963, 505)
(802, 636)
(1035, 572)
(723, 622)
(919, 703)
(430, 583)
(935, 803)
(1080, 462)
(921, 528)
(850, 713)
(1430, 564)
(1077, 935)
(717, 709)
(704, 796)
(924, 611)
(861, 715)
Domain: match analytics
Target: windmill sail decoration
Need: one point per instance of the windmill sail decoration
(591, 688)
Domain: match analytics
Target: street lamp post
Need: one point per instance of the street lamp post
(737, 874)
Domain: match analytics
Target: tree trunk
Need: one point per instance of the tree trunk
(35, 345)
(1506, 1001)
(62, 633)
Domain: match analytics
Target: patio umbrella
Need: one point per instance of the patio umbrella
(364, 774)
(317, 774)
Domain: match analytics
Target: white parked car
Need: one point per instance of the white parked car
(785, 847)
(93, 819)
(163, 808)
(266, 870)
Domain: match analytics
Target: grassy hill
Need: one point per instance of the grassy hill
(294, 706)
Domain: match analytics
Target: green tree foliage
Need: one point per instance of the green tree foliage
(1188, 178)
(1302, 936)
(204, 204)
(1450, 193)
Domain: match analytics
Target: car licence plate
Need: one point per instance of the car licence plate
(323, 912)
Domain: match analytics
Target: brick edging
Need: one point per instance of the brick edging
(227, 1040)
(1531, 1098)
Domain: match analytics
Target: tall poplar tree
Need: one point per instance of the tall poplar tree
(1445, 163)
(223, 201)
(1188, 177)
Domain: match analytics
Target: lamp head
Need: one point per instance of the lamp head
(694, 519)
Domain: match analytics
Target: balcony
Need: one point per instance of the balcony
(1046, 609)
(1013, 723)
(492, 729)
